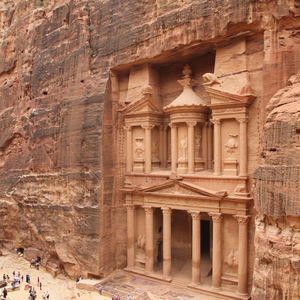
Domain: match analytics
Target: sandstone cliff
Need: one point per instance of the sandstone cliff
(59, 175)
(277, 198)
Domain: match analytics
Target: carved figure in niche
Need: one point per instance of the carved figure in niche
(139, 148)
(155, 148)
(141, 242)
(231, 145)
(232, 259)
(210, 79)
(198, 140)
(183, 148)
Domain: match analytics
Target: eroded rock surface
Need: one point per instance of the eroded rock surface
(277, 199)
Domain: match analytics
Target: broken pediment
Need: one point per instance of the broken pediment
(180, 188)
(146, 104)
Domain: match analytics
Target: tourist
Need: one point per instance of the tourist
(40, 286)
(4, 277)
(100, 289)
(128, 297)
(4, 293)
(44, 296)
(47, 295)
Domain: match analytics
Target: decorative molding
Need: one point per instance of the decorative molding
(242, 119)
(148, 209)
(148, 126)
(130, 207)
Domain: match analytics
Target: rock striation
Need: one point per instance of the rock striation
(277, 198)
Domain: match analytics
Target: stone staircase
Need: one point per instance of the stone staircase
(122, 290)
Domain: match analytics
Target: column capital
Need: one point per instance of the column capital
(191, 123)
(148, 209)
(216, 217)
(215, 121)
(163, 127)
(130, 207)
(242, 219)
(242, 119)
(147, 126)
(196, 215)
(172, 125)
(167, 211)
(127, 127)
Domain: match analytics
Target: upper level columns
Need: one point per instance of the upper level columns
(130, 234)
(243, 146)
(191, 146)
(243, 255)
(148, 147)
(129, 148)
(196, 246)
(217, 147)
(174, 149)
(149, 238)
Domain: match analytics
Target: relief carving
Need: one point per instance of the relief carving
(210, 79)
(231, 146)
(183, 148)
(139, 148)
(198, 141)
(232, 260)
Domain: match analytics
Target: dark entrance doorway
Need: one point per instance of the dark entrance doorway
(205, 238)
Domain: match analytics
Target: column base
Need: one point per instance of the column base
(243, 175)
(246, 295)
(216, 288)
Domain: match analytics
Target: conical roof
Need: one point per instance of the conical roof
(188, 97)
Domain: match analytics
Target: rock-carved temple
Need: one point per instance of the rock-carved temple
(159, 137)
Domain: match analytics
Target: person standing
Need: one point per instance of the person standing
(47, 295)
(40, 286)
(4, 293)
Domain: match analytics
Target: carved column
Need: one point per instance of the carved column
(147, 147)
(209, 146)
(191, 146)
(217, 147)
(164, 146)
(149, 238)
(205, 145)
(129, 153)
(174, 148)
(243, 146)
(167, 212)
(217, 250)
(243, 255)
(196, 247)
(130, 234)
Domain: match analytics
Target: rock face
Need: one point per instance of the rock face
(277, 198)
(60, 171)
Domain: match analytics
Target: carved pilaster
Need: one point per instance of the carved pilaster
(217, 146)
(243, 146)
(129, 151)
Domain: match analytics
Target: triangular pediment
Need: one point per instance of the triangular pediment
(179, 188)
(144, 105)
(223, 97)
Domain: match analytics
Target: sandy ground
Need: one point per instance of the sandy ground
(59, 288)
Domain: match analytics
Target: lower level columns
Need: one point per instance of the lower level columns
(130, 235)
(149, 238)
(217, 250)
(196, 247)
(167, 212)
(243, 255)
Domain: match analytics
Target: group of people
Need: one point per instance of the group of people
(17, 279)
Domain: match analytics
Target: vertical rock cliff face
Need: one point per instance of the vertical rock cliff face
(277, 198)
(59, 176)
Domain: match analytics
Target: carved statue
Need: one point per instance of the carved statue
(210, 79)
(139, 147)
(232, 259)
(183, 148)
(141, 242)
(231, 145)
(198, 140)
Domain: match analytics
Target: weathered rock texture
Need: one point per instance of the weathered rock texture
(277, 199)
(59, 176)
